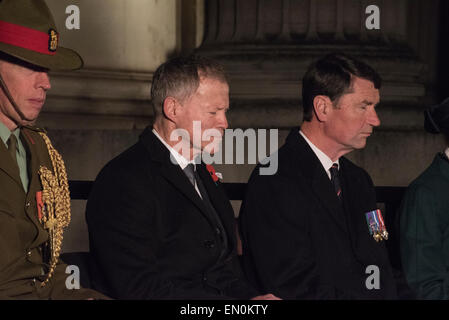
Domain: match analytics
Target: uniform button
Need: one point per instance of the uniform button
(33, 282)
(217, 230)
(29, 253)
(204, 278)
(27, 204)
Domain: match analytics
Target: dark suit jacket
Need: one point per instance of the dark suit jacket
(299, 242)
(151, 236)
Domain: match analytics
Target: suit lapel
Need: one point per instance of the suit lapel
(7, 165)
(177, 178)
(357, 228)
(34, 162)
(218, 200)
(172, 173)
(349, 190)
(311, 169)
(327, 197)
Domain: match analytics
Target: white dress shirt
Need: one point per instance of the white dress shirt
(326, 162)
(183, 162)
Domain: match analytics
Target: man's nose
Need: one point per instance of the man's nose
(43, 80)
(223, 121)
(373, 118)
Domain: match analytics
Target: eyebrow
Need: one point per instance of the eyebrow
(369, 102)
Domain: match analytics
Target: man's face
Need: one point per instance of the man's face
(208, 105)
(28, 88)
(352, 120)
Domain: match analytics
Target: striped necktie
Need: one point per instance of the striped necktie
(335, 179)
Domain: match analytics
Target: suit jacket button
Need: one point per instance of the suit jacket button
(217, 230)
(204, 278)
(209, 244)
(27, 204)
(29, 253)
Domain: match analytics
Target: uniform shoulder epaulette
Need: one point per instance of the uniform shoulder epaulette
(35, 129)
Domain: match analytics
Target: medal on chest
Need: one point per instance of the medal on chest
(376, 225)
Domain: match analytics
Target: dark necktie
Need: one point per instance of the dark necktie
(335, 179)
(190, 173)
(194, 177)
(12, 147)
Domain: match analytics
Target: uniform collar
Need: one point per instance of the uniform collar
(5, 133)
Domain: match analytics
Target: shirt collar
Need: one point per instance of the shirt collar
(326, 162)
(5, 133)
(183, 162)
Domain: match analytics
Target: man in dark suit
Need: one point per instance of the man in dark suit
(304, 229)
(159, 226)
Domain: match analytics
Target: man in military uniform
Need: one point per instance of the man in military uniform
(34, 198)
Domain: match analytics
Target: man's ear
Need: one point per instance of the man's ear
(171, 108)
(321, 106)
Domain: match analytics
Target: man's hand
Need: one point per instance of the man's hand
(266, 297)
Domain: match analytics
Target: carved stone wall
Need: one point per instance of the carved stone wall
(267, 45)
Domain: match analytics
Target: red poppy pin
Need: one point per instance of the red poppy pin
(216, 176)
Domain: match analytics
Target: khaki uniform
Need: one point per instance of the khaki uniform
(22, 237)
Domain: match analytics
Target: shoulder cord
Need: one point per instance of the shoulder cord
(56, 198)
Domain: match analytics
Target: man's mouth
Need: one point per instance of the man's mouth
(37, 102)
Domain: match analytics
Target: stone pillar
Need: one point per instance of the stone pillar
(301, 21)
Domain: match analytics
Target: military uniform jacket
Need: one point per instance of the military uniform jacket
(424, 225)
(300, 242)
(21, 234)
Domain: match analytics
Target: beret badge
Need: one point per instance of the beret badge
(52, 40)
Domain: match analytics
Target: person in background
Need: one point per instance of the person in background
(424, 218)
